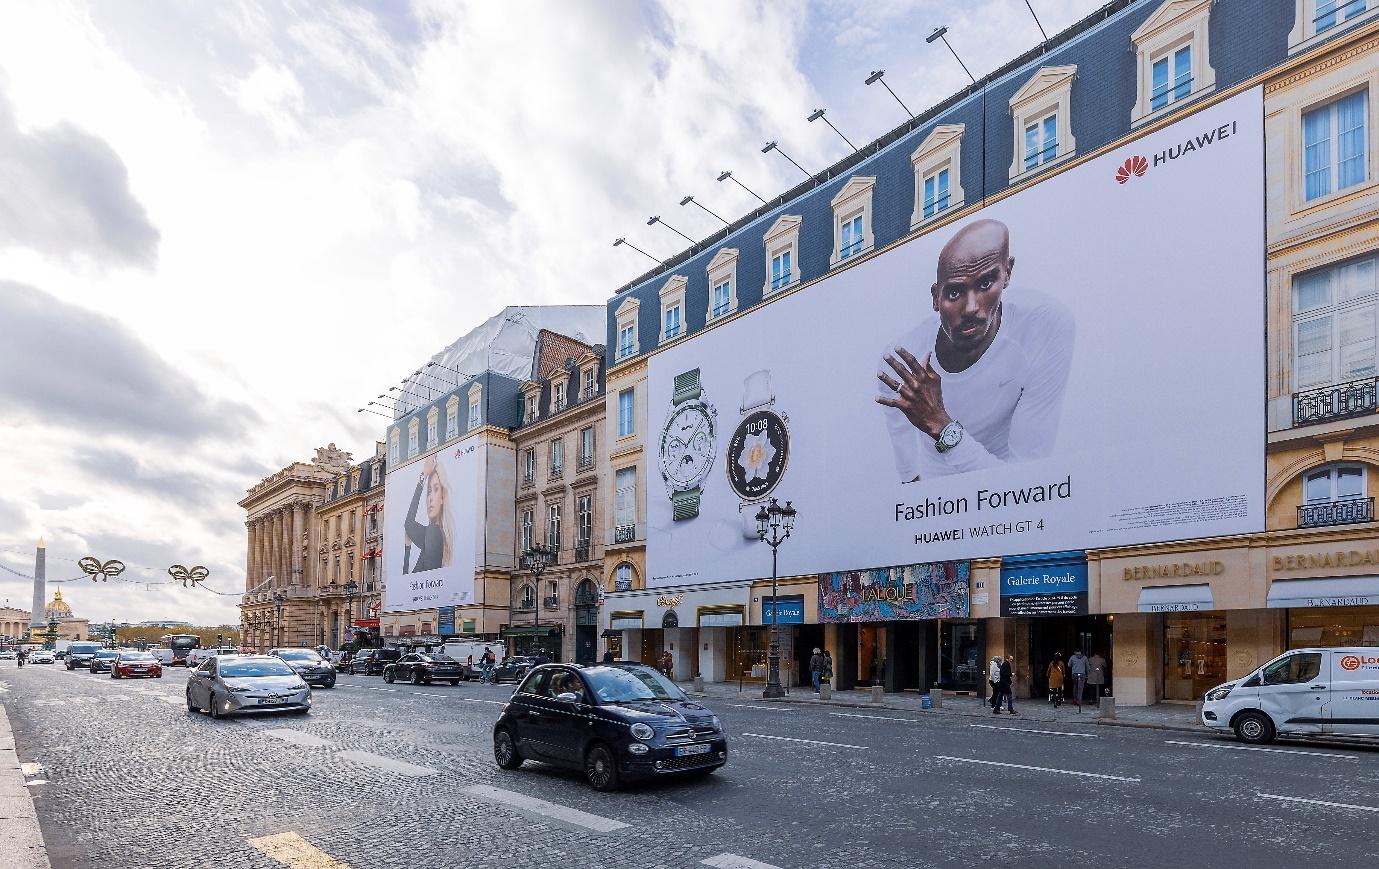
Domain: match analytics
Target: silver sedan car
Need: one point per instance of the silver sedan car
(226, 685)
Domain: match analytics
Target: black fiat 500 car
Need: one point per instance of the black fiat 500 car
(616, 722)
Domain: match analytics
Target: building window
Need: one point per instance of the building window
(1172, 57)
(586, 446)
(1334, 324)
(626, 328)
(938, 173)
(528, 599)
(626, 423)
(557, 457)
(852, 218)
(557, 397)
(473, 414)
(531, 413)
(782, 246)
(528, 519)
(529, 464)
(452, 418)
(1333, 146)
(591, 383)
(1315, 19)
(413, 431)
(672, 325)
(1336, 483)
(625, 500)
(1041, 120)
(627, 337)
(553, 526)
(394, 449)
(722, 300)
(672, 296)
(722, 274)
(1333, 12)
(622, 577)
(584, 509)
(432, 436)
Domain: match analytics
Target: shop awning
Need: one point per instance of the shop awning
(531, 631)
(1176, 598)
(611, 633)
(1331, 591)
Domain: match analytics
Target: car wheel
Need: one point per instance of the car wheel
(157, 675)
(191, 707)
(601, 769)
(300, 711)
(417, 678)
(1255, 728)
(505, 750)
(330, 684)
(389, 676)
(454, 681)
(215, 708)
(113, 675)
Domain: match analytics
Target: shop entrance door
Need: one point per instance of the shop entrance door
(807, 639)
(1065, 635)
(652, 646)
(845, 658)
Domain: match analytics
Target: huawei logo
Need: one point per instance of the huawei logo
(1136, 166)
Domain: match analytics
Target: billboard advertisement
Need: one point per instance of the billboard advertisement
(1044, 586)
(884, 594)
(432, 529)
(1053, 372)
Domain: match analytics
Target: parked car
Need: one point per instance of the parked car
(102, 660)
(225, 685)
(163, 656)
(313, 669)
(1304, 692)
(79, 654)
(132, 663)
(421, 668)
(370, 662)
(41, 656)
(197, 657)
(616, 722)
(513, 669)
(8, 655)
(61, 654)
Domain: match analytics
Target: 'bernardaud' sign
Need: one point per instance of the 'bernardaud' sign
(1045, 374)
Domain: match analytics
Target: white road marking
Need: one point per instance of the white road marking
(532, 805)
(296, 737)
(752, 706)
(809, 741)
(1032, 730)
(378, 761)
(29, 769)
(874, 717)
(477, 700)
(736, 861)
(1318, 802)
(37, 781)
(293, 851)
(1037, 768)
(1260, 748)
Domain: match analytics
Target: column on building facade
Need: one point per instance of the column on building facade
(248, 555)
(274, 569)
(284, 562)
(295, 544)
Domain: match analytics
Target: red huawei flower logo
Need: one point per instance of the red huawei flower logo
(1136, 165)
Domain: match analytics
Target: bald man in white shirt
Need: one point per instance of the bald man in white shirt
(989, 388)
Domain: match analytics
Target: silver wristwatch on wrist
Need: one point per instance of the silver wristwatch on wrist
(950, 437)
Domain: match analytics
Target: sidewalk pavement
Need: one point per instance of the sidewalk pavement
(21, 840)
(1161, 716)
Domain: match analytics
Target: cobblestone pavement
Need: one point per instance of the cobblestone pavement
(401, 776)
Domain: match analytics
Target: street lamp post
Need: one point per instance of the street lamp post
(278, 600)
(351, 589)
(537, 559)
(774, 524)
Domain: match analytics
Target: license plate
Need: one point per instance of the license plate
(687, 750)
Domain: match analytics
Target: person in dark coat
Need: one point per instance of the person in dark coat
(609, 657)
(1008, 683)
(433, 540)
(816, 668)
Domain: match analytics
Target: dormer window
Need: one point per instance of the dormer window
(557, 397)
(394, 447)
(672, 297)
(722, 273)
(591, 382)
(626, 320)
(1172, 62)
(432, 419)
(782, 254)
(1042, 121)
(452, 417)
(1315, 20)
(852, 218)
(413, 433)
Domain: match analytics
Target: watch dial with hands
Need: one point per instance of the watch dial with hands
(687, 446)
(757, 454)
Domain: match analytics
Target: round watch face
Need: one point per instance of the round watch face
(687, 446)
(950, 436)
(757, 454)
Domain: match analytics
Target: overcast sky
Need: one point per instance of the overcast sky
(224, 226)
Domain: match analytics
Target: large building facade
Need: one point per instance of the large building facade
(1172, 617)
(349, 555)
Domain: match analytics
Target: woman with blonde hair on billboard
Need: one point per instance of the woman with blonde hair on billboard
(433, 539)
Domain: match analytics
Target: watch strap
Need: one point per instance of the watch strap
(687, 386)
(685, 504)
(756, 391)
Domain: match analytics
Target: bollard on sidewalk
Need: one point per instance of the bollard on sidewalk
(825, 691)
(1106, 709)
(698, 685)
(877, 694)
(936, 698)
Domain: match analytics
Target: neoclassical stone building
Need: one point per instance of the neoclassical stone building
(14, 624)
(349, 554)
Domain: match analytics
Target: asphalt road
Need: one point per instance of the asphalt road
(401, 776)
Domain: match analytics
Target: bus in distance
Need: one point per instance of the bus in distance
(181, 646)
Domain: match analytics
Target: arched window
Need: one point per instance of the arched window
(527, 597)
(622, 577)
(586, 593)
(1335, 495)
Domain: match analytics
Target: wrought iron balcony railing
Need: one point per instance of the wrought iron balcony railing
(582, 553)
(1344, 512)
(1338, 401)
(586, 599)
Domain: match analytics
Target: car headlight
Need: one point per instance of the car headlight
(642, 731)
(301, 687)
(1219, 693)
(717, 725)
(239, 690)
(638, 748)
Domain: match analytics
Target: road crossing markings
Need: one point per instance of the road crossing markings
(754, 706)
(296, 737)
(736, 861)
(378, 761)
(809, 741)
(1035, 730)
(874, 717)
(1261, 748)
(1318, 802)
(293, 851)
(555, 811)
(1096, 775)
(477, 700)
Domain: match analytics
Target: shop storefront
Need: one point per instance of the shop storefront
(693, 624)
(1194, 654)
(1327, 610)
(1047, 595)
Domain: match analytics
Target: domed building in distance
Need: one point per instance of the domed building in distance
(69, 627)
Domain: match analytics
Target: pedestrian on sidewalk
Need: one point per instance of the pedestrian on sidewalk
(1008, 682)
(1096, 675)
(993, 677)
(1077, 669)
(816, 668)
(609, 657)
(828, 668)
(668, 664)
(1056, 674)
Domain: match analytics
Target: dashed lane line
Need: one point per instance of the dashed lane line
(296, 737)
(1096, 775)
(1317, 802)
(808, 741)
(1035, 730)
(542, 808)
(293, 851)
(736, 861)
(1260, 748)
(755, 706)
(378, 761)
(874, 717)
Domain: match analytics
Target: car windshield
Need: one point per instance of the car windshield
(438, 659)
(135, 656)
(82, 649)
(105, 653)
(619, 685)
(247, 669)
(299, 655)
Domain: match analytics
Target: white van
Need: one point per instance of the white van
(1305, 692)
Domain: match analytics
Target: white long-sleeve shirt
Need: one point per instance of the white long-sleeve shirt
(1009, 401)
